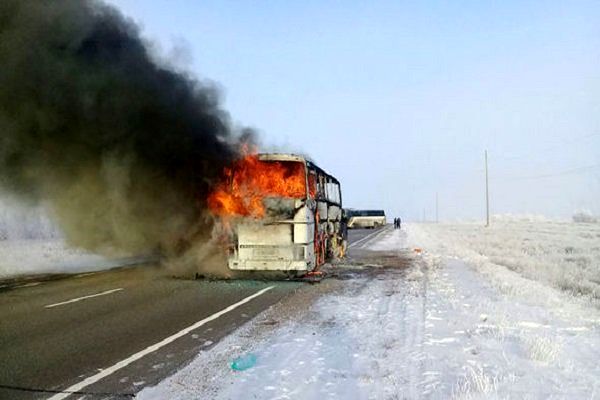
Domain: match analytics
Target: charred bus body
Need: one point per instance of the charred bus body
(298, 231)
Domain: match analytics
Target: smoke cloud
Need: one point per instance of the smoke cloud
(122, 150)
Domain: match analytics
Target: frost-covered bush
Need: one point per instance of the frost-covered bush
(474, 383)
(542, 349)
(519, 218)
(585, 216)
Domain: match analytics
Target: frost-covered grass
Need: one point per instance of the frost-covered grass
(543, 349)
(564, 255)
(475, 381)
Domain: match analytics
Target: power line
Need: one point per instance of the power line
(571, 171)
(548, 148)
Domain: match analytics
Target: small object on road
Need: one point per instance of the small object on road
(313, 277)
(243, 362)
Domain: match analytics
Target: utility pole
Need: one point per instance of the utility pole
(487, 193)
(437, 214)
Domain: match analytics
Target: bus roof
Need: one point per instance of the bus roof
(296, 158)
(365, 213)
(281, 157)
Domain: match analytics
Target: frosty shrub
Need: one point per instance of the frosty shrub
(474, 383)
(542, 349)
(585, 216)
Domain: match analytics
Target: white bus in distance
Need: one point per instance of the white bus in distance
(365, 218)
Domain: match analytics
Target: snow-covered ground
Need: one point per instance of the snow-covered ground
(18, 222)
(31, 244)
(439, 329)
(561, 254)
(44, 256)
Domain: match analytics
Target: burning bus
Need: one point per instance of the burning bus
(284, 213)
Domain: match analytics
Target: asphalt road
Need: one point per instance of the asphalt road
(109, 334)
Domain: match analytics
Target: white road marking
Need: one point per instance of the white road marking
(363, 239)
(86, 274)
(83, 298)
(367, 237)
(134, 357)
(31, 284)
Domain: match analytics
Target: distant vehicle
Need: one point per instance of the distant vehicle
(365, 218)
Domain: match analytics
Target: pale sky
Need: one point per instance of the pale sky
(399, 100)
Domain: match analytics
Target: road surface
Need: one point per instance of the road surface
(109, 334)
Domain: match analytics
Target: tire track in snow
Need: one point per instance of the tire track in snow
(416, 304)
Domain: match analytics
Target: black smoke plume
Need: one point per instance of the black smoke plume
(122, 150)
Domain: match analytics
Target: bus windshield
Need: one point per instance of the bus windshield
(251, 180)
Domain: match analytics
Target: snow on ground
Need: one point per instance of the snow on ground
(438, 329)
(18, 222)
(564, 255)
(43, 256)
(31, 244)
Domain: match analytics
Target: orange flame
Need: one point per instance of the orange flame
(249, 180)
